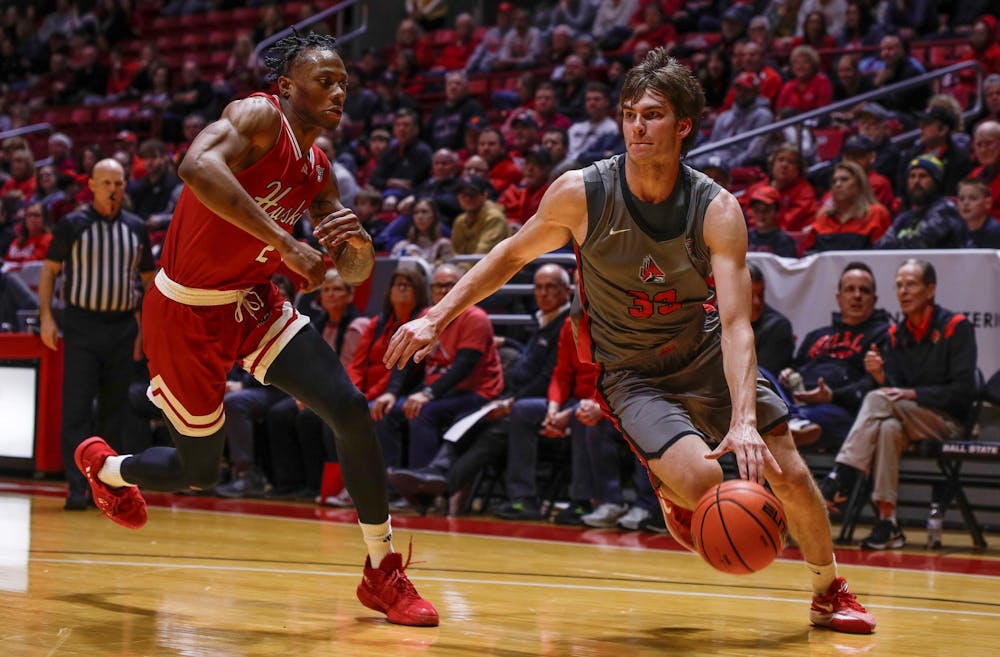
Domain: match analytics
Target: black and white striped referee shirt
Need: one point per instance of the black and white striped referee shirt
(101, 259)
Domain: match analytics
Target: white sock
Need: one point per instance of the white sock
(111, 471)
(822, 576)
(378, 539)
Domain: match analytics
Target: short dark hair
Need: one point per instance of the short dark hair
(666, 77)
(282, 55)
(929, 274)
(756, 274)
(856, 265)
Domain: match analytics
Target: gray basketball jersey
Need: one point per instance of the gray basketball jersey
(645, 295)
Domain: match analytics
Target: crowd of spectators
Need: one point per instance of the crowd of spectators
(436, 164)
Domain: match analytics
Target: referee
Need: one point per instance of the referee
(103, 250)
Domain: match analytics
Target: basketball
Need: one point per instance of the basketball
(738, 527)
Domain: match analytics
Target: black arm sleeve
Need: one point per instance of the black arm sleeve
(465, 361)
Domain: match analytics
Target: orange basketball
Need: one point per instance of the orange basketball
(738, 527)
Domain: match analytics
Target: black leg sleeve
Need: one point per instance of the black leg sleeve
(193, 463)
(309, 370)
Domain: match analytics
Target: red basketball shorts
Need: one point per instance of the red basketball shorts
(192, 338)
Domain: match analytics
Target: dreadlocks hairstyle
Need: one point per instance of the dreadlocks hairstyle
(666, 77)
(281, 56)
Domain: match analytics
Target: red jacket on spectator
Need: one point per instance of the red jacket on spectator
(816, 93)
(798, 203)
(769, 87)
(455, 56)
(505, 173)
(34, 248)
(988, 57)
(833, 235)
(571, 377)
(882, 189)
(520, 203)
(366, 370)
(26, 187)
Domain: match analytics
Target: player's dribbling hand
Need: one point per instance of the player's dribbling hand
(414, 339)
(752, 454)
(341, 227)
(306, 261)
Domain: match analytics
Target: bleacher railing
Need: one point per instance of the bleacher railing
(345, 34)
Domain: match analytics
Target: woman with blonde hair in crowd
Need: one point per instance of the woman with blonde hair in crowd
(851, 218)
(425, 238)
(33, 238)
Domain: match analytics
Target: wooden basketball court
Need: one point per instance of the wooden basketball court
(232, 579)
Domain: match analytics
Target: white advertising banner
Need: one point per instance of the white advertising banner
(968, 282)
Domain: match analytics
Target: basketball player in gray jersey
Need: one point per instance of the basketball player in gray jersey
(665, 294)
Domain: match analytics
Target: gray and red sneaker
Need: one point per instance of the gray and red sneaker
(388, 590)
(839, 610)
(123, 505)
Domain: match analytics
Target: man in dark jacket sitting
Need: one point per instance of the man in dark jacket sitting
(932, 222)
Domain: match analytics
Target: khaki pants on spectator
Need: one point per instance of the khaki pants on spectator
(882, 431)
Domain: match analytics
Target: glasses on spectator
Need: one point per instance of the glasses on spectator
(442, 287)
(548, 287)
(402, 285)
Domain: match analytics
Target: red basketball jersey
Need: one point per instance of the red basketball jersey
(203, 250)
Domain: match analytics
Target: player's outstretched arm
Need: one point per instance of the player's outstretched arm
(246, 131)
(340, 232)
(726, 237)
(561, 216)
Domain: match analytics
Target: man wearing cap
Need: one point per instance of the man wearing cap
(937, 126)
(524, 134)
(61, 152)
(127, 141)
(769, 81)
(986, 144)
(482, 224)
(584, 134)
(520, 201)
(872, 121)
(932, 222)
(748, 112)
(766, 236)
(444, 127)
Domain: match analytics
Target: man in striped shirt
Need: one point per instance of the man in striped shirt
(102, 250)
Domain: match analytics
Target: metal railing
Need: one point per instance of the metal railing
(343, 36)
(27, 130)
(874, 95)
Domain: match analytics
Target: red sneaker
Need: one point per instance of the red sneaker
(123, 505)
(839, 610)
(388, 590)
(678, 520)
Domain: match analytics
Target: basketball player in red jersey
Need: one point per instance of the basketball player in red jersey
(650, 234)
(248, 178)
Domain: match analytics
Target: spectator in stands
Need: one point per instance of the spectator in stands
(911, 19)
(654, 29)
(986, 144)
(991, 99)
(546, 107)
(572, 89)
(798, 198)
(523, 45)
(862, 151)
(932, 222)
(521, 201)
(584, 134)
(489, 47)
(149, 60)
(974, 203)
(407, 162)
(769, 81)
(61, 153)
(766, 236)
(848, 81)
(610, 26)
(937, 127)
(718, 170)
(47, 190)
(194, 123)
(446, 123)
(832, 12)
(860, 27)
(926, 379)
(524, 135)
(158, 95)
(477, 166)
(151, 195)
(492, 147)
(441, 186)
(33, 238)
(90, 76)
(429, 14)
(715, 75)
(556, 142)
(813, 32)
(577, 14)
(409, 37)
(482, 224)
(560, 46)
(64, 19)
(56, 86)
(749, 111)
(895, 66)
(586, 49)
(20, 186)
(127, 142)
(347, 184)
(377, 144)
(425, 238)
(872, 122)
(459, 376)
(526, 379)
(359, 106)
(367, 207)
(810, 88)
(391, 100)
(851, 218)
(831, 363)
(192, 96)
(608, 144)
(773, 339)
(408, 72)
(271, 22)
(733, 25)
(458, 52)
(238, 78)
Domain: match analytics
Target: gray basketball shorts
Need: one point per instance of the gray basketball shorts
(658, 404)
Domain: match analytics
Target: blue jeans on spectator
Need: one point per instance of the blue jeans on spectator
(835, 420)
(243, 409)
(595, 462)
(426, 429)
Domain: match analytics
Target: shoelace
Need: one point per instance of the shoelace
(843, 597)
(252, 305)
(398, 577)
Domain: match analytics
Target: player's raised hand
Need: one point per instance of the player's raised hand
(751, 453)
(414, 339)
(341, 227)
(307, 261)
